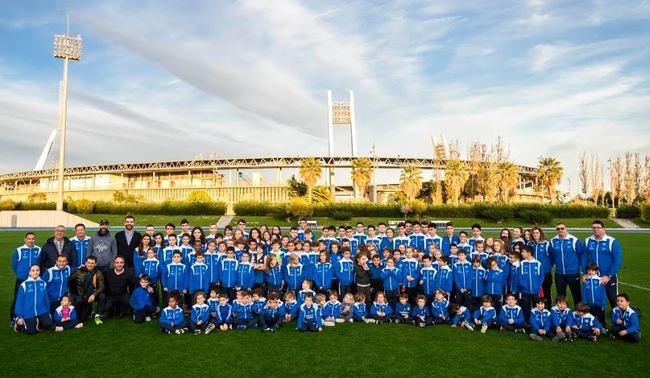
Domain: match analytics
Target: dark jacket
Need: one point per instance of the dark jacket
(125, 249)
(49, 253)
(362, 275)
(119, 284)
(86, 283)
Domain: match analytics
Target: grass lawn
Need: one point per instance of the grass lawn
(641, 222)
(121, 347)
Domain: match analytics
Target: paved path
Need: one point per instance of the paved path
(625, 223)
(224, 221)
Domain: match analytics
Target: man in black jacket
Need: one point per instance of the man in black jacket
(118, 282)
(56, 246)
(128, 240)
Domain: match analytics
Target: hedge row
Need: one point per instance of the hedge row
(484, 211)
(628, 211)
(103, 207)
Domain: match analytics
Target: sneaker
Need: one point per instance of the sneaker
(274, 329)
(267, 329)
(350, 320)
(98, 320)
(520, 330)
(17, 327)
(168, 332)
(209, 328)
(197, 332)
(536, 337)
(178, 331)
(147, 319)
(184, 330)
(558, 337)
(370, 321)
(469, 326)
(484, 328)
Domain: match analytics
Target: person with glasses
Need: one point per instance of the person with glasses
(604, 251)
(568, 254)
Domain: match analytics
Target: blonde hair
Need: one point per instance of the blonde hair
(348, 298)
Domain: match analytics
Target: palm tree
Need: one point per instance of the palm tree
(508, 177)
(410, 181)
(361, 174)
(310, 171)
(456, 176)
(549, 174)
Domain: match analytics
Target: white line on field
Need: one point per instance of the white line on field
(634, 286)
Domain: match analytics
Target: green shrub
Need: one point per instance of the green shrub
(495, 214)
(628, 211)
(342, 215)
(538, 217)
(257, 208)
(167, 207)
(449, 211)
(7, 205)
(645, 211)
(81, 206)
(198, 196)
(299, 207)
(36, 206)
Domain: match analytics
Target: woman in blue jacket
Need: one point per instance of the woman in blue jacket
(32, 304)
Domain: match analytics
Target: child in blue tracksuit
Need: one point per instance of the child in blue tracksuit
(57, 278)
(290, 307)
(512, 286)
(228, 274)
(294, 273)
(463, 279)
(390, 278)
(22, 260)
(323, 272)
(344, 272)
(540, 322)
(561, 320)
(478, 283)
(172, 319)
(65, 316)
(420, 313)
(152, 267)
(273, 276)
(440, 308)
(304, 290)
(376, 282)
(140, 301)
(332, 310)
(462, 317)
(494, 281)
(245, 273)
(199, 275)
(593, 293)
(625, 321)
(272, 315)
(403, 310)
(604, 251)
(511, 317)
(585, 325)
(486, 315)
(32, 304)
(200, 316)
(174, 277)
(243, 312)
(410, 274)
(428, 278)
(223, 313)
(309, 317)
(380, 310)
(531, 276)
(360, 310)
(445, 277)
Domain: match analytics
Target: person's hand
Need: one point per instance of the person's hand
(421, 282)
(596, 331)
(453, 326)
(510, 321)
(584, 278)
(150, 289)
(542, 332)
(558, 329)
(199, 322)
(20, 321)
(623, 332)
(476, 321)
(604, 280)
(184, 291)
(91, 299)
(619, 321)
(409, 278)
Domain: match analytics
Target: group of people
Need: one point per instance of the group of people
(261, 278)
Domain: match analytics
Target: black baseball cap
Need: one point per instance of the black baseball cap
(103, 221)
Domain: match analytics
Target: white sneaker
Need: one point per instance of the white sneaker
(469, 326)
(484, 328)
(329, 324)
(148, 318)
(370, 321)
(340, 320)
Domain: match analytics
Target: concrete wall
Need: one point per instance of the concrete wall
(40, 218)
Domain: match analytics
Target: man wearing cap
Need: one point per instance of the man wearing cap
(103, 246)
(128, 240)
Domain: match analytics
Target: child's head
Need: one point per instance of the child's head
(376, 260)
(492, 263)
(540, 304)
(246, 297)
(426, 261)
(320, 299)
(476, 261)
(623, 301)
(61, 261)
(511, 300)
(272, 301)
(403, 298)
(289, 296)
(348, 298)
(346, 253)
(439, 294)
(462, 255)
(444, 260)
(66, 300)
(380, 297)
(462, 236)
(223, 299)
(199, 297)
(592, 269)
(172, 300)
(230, 252)
(527, 252)
(480, 246)
(561, 302)
(334, 296)
(151, 253)
(514, 257)
(409, 252)
(245, 257)
(360, 297)
(582, 308)
(258, 293)
(323, 257)
(307, 284)
(390, 262)
(144, 281)
(454, 249)
(486, 301)
(308, 300)
(421, 300)
(171, 238)
(176, 257)
(214, 293)
(199, 257)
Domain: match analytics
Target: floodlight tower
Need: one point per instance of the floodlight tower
(66, 47)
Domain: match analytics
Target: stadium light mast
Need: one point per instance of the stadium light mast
(66, 47)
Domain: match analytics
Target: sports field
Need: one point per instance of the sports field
(119, 347)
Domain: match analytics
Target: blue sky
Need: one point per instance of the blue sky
(168, 80)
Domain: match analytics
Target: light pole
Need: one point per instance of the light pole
(66, 47)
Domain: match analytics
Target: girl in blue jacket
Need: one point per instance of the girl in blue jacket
(172, 319)
(323, 273)
(32, 304)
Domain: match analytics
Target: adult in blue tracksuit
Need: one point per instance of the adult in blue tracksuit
(567, 254)
(22, 260)
(542, 253)
(390, 278)
(625, 321)
(530, 280)
(604, 251)
(199, 317)
(323, 277)
(381, 312)
(199, 276)
(57, 278)
(309, 317)
(228, 274)
(80, 242)
(32, 304)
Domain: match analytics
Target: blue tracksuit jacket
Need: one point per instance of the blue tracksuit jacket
(542, 253)
(137, 261)
(274, 276)
(593, 293)
(390, 277)
(175, 277)
(439, 308)
(310, 315)
(32, 299)
(140, 299)
(629, 317)
(399, 240)
(567, 254)
(57, 282)
(447, 241)
(463, 275)
(58, 314)
(323, 275)
(513, 278)
(344, 271)
(494, 280)
(403, 309)
(172, 316)
(586, 322)
(81, 246)
(417, 241)
(540, 320)
(421, 313)
(478, 281)
(464, 316)
(428, 278)
(291, 308)
(359, 310)
(23, 258)
(224, 314)
(428, 240)
(360, 238)
(152, 268)
(485, 314)
(605, 253)
(228, 272)
(293, 276)
(200, 312)
(383, 307)
(199, 276)
(213, 260)
(245, 275)
(561, 318)
(444, 279)
(332, 309)
(530, 277)
(515, 313)
(242, 311)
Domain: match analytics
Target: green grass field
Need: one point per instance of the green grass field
(120, 347)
